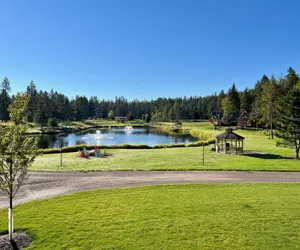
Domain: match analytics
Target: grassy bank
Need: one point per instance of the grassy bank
(187, 158)
(73, 126)
(261, 153)
(186, 129)
(223, 216)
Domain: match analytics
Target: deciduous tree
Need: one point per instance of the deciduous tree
(17, 152)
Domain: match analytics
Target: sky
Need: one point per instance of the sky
(146, 49)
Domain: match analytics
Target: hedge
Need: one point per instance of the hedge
(124, 146)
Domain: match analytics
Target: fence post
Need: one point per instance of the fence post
(203, 154)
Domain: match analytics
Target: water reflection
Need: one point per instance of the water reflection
(115, 136)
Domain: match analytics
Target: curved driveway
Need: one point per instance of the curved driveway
(42, 185)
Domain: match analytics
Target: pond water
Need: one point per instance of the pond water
(114, 136)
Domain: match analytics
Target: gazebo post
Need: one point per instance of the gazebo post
(222, 144)
(242, 146)
(235, 146)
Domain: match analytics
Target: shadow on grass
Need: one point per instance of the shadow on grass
(14, 245)
(265, 156)
(107, 155)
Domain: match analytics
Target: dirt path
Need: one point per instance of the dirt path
(42, 185)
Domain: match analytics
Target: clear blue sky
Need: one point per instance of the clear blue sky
(146, 48)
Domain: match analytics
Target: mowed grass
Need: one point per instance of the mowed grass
(262, 155)
(223, 216)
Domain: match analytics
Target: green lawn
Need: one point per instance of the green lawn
(188, 158)
(222, 216)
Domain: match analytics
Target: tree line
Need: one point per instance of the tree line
(271, 103)
(261, 103)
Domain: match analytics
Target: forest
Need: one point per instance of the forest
(265, 103)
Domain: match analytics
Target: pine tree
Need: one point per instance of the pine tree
(256, 111)
(4, 99)
(246, 100)
(221, 96)
(32, 105)
(234, 98)
(289, 120)
(269, 103)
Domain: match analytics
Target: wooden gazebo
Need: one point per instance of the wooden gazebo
(229, 143)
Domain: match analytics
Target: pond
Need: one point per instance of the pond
(114, 136)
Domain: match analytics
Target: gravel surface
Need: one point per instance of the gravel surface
(42, 185)
(20, 241)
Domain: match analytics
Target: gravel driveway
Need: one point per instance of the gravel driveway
(42, 185)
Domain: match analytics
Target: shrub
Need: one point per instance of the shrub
(141, 146)
(49, 151)
(201, 143)
(52, 122)
(201, 135)
(147, 118)
(179, 145)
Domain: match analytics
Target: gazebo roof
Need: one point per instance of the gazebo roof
(229, 135)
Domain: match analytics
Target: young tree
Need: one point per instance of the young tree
(111, 115)
(17, 152)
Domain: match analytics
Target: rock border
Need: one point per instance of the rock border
(20, 240)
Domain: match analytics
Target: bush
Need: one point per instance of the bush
(201, 143)
(49, 151)
(141, 146)
(179, 145)
(201, 135)
(117, 120)
(284, 144)
(147, 118)
(52, 122)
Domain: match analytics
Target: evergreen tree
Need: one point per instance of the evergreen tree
(256, 111)
(289, 121)
(129, 117)
(234, 98)
(269, 103)
(91, 108)
(147, 118)
(32, 105)
(246, 100)
(221, 96)
(4, 99)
